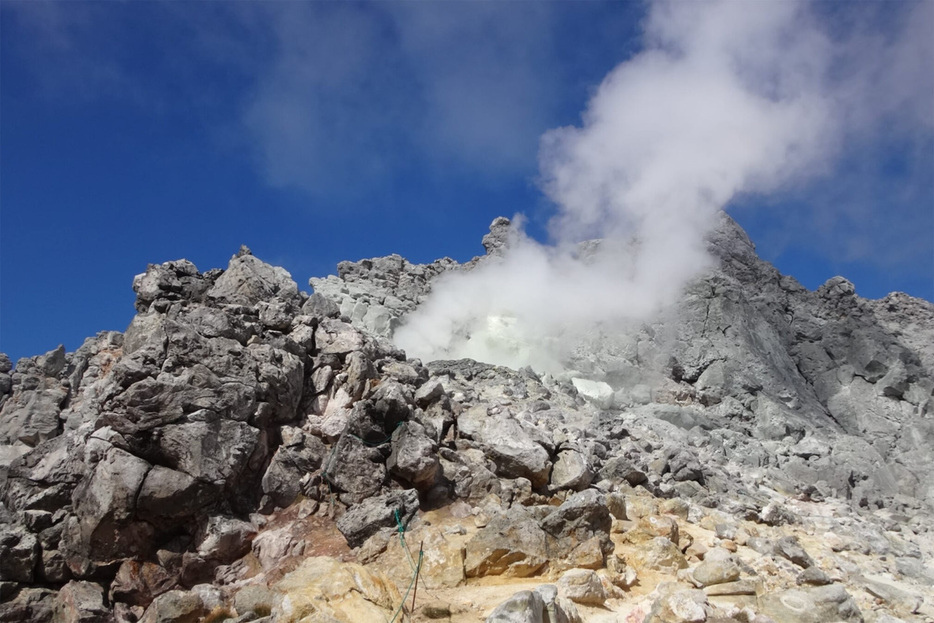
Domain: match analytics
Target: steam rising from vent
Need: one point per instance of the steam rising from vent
(726, 98)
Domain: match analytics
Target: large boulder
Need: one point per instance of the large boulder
(170, 281)
(82, 602)
(31, 417)
(811, 605)
(511, 544)
(104, 527)
(414, 457)
(19, 554)
(168, 497)
(289, 465)
(583, 586)
(580, 518)
(393, 509)
(571, 471)
(325, 589)
(175, 607)
(248, 281)
(542, 605)
(508, 444)
(138, 583)
(355, 468)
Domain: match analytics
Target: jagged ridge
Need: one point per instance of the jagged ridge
(148, 461)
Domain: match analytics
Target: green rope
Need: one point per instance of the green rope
(405, 546)
(405, 597)
(416, 567)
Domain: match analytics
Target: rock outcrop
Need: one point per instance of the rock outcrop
(246, 450)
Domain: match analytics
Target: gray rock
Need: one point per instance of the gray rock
(52, 567)
(376, 293)
(29, 604)
(355, 468)
(814, 605)
(213, 450)
(19, 555)
(334, 337)
(582, 586)
(168, 496)
(761, 545)
(813, 576)
(470, 472)
(81, 602)
(321, 306)
(272, 547)
(616, 504)
(282, 480)
(557, 609)
(571, 471)
(501, 232)
(248, 281)
(383, 511)
(211, 596)
(511, 448)
(679, 606)
(225, 539)
(788, 547)
(621, 469)
(138, 583)
(523, 607)
(776, 515)
(104, 527)
(740, 587)
(43, 479)
(359, 371)
(897, 595)
(171, 281)
(715, 572)
(256, 599)
(414, 457)
(429, 392)
(31, 417)
(510, 544)
(582, 516)
(175, 607)
(750, 382)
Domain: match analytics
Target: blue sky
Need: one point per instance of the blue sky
(141, 132)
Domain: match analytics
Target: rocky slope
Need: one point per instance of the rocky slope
(247, 451)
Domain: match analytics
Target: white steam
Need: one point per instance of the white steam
(726, 98)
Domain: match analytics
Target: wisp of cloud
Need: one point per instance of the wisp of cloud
(726, 98)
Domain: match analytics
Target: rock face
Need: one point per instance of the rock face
(539, 606)
(749, 358)
(324, 589)
(375, 294)
(150, 448)
(242, 433)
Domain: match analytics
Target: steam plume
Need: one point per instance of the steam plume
(726, 98)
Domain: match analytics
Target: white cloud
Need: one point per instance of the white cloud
(358, 93)
(479, 67)
(726, 99)
(322, 114)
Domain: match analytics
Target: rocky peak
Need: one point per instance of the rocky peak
(758, 453)
(497, 240)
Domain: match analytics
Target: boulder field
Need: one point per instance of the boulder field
(246, 451)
